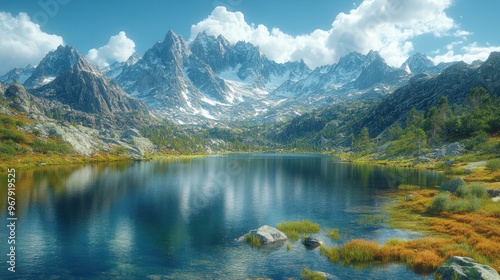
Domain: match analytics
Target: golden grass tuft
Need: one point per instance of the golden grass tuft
(426, 261)
(472, 234)
(331, 253)
(333, 233)
(475, 234)
(292, 229)
(358, 250)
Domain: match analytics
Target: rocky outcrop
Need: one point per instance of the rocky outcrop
(464, 269)
(311, 242)
(19, 98)
(454, 149)
(267, 235)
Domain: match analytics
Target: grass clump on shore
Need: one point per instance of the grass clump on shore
(493, 164)
(308, 274)
(253, 240)
(358, 251)
(464, 199)
(332, 253)
(404, 187)
(333, 233)
(463, 223)
(417, 254)
(292, 229)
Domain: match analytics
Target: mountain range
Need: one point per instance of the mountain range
(210, 81)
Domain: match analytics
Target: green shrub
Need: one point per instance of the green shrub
(452, 185)
(45, 147)
(478, 190)
(462, 191)
(7, 149)
(441, 202)
(493, 164)
(8, 134)
(467, 205)
(7, 121)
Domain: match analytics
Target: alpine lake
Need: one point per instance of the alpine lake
(179, 219)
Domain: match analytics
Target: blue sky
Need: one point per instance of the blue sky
(320, 31)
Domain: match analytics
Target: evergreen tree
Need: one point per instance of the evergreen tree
(415, 118)
(363, 141)
(394, 132)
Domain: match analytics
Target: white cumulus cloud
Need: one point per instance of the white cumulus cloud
(119, 48)
(387, 26)
(275, 44)
(22, 42)
(467, 53)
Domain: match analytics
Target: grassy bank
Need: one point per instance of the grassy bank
(451, 228)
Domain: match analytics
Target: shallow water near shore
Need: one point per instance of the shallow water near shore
(179, 219)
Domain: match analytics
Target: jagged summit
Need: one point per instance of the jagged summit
(417, 64)
(53, 64)
(66, 76)
(18, 74)
(211, 79)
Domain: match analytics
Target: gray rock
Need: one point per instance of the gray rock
(449, 163)
(19, 96)
(131, 133)
(477, 164)
(267, 234)
(311, 242)
(452, 185)
(464, 269)
(493, 193)
(454, 149)
(422, 159)
(380, 149)
(327, 275)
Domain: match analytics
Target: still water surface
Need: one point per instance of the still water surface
(179, 219)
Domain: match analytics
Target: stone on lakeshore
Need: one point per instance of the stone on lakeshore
(466, 269)
(267, 235)
(311, 242)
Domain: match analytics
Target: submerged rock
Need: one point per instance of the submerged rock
(464, 269)
(267, 235)
(311, 242)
